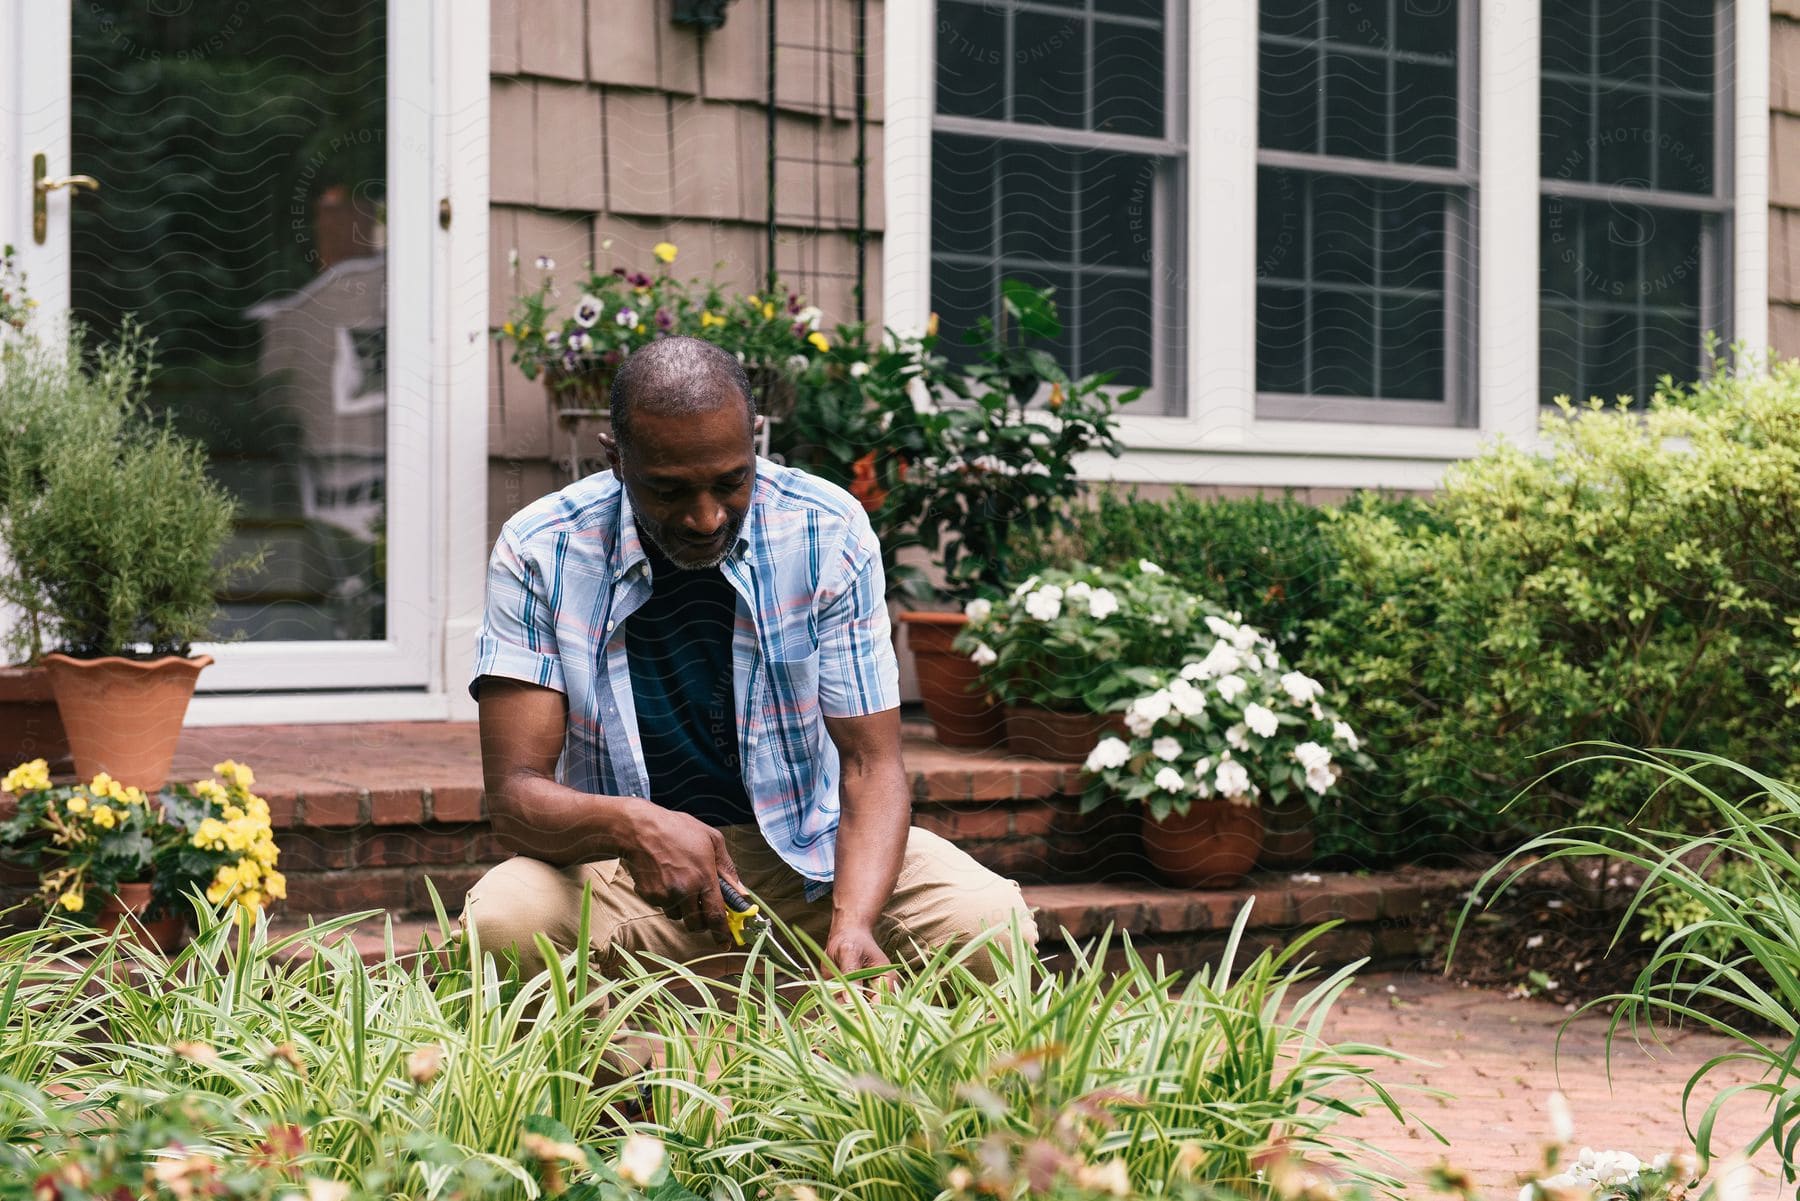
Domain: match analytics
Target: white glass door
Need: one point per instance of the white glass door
(264, 209)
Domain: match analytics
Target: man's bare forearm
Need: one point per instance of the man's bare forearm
(533, 815)
(871, 846)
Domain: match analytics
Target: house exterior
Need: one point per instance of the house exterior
(1341, 242)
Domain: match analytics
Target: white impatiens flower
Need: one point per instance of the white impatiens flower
(859, 369)
(1027, 586)
(1146, 711)
(1261, 720)
(1221, 660)
(1231, 687)
(1232, 780)
(1187, 699)
(1102, 604)
(919, 393)
(810, 316)
(1300, 687)
(640, 1159)
(1169, 780)
(1320, 779)
(1220, 627)
(1146, 567)
(1245, 637)
(1166, 748)
(588, 310)
(1562, 1121)
(1194, 671)
(1341, 731)
(1111, 752)
(1046, 603)
(1079, 590)
(983, 655)
(978, 609)
(1234, 737)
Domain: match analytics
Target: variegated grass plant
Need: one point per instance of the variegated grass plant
(1739, 951)
(438, 1073)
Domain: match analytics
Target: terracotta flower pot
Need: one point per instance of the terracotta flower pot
(1214, 845)
(1056, 735)
(1289, 839)
(124, 715)
(961, 712)
(30, 726)
(129, 904)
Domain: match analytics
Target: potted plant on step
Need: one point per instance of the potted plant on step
(978, 459)
(108, 852)
(120, 552)
(1064, 650)
(1212, 746)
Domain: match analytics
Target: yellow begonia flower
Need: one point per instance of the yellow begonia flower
(818, 342)
(709, 319)
(72, 901)
(101, 785)
(768, 311)
(250, 900)
(104, 817)
(237, 773)
(77, 804)
(507, 329)
(664, 251)
(27, 777)
(753, 298)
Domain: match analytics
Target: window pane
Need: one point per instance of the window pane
(1049, 82)
(1567, 35)
(1563, 136)
(1290, 18)
(1559, 353)
(1559, 250)
(1289, 96)
(1684, 145)
(1358, 22)
(1128, 79)
(1671, 347)
(1428, 26)
(1343, 335)
(1116, 326)
(962, 195)
(1118, 208)
(1612, 367)
(1686, 39)
(1280, 340)
(1424, 114)
(1412, 348)
(1037, 198)
(1627, 49)
(1671, 258)
(1280, 225)
(1411, 222)
(960, 295)
(971, 54)
(1356, 106)
(1343, 244)
(1623, 156)
(1149, 10)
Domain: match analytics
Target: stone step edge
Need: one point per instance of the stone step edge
(1153, 914)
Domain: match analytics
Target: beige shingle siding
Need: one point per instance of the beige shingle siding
(608, 121)
(1784, 183)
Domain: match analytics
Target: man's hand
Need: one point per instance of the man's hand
(852, 948)
(676, 864)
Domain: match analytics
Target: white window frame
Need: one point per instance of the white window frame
(437, 366)
(1221, 439)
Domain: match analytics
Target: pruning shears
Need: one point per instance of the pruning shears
(741, 914)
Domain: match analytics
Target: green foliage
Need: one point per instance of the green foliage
(1741, 948)
(433, 1075)
(1639, 582)
(1272, 560)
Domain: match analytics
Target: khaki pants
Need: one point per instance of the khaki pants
(942, 897)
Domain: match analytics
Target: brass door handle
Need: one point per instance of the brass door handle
(42, 184)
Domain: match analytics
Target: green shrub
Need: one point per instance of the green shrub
(1639, 583)
(1739, 947)
(1274, 561)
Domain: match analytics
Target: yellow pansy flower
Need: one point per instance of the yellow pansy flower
(817, 341)
(665, 252)
(640, 327)
(709, 319)
(72, 901)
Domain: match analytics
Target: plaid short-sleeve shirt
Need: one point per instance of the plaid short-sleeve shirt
(812, 641)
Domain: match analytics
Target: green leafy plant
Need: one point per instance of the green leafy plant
(973, 466)
(1081, 640)
(1636, 582)
(122, 543)
(1741, 951)
(15, 303)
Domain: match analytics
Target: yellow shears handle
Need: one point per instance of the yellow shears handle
(740, 911)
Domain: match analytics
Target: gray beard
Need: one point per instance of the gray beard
(676, 558)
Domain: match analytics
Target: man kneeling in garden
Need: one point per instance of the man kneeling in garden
(685, 675)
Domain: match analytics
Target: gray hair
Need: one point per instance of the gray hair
(668, 378)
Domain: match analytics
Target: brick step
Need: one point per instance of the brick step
(1382, 916)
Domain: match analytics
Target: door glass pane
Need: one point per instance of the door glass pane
(242, 156)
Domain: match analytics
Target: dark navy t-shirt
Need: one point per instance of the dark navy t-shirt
(679, 647)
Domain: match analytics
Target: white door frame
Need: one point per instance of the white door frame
(437, 355)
